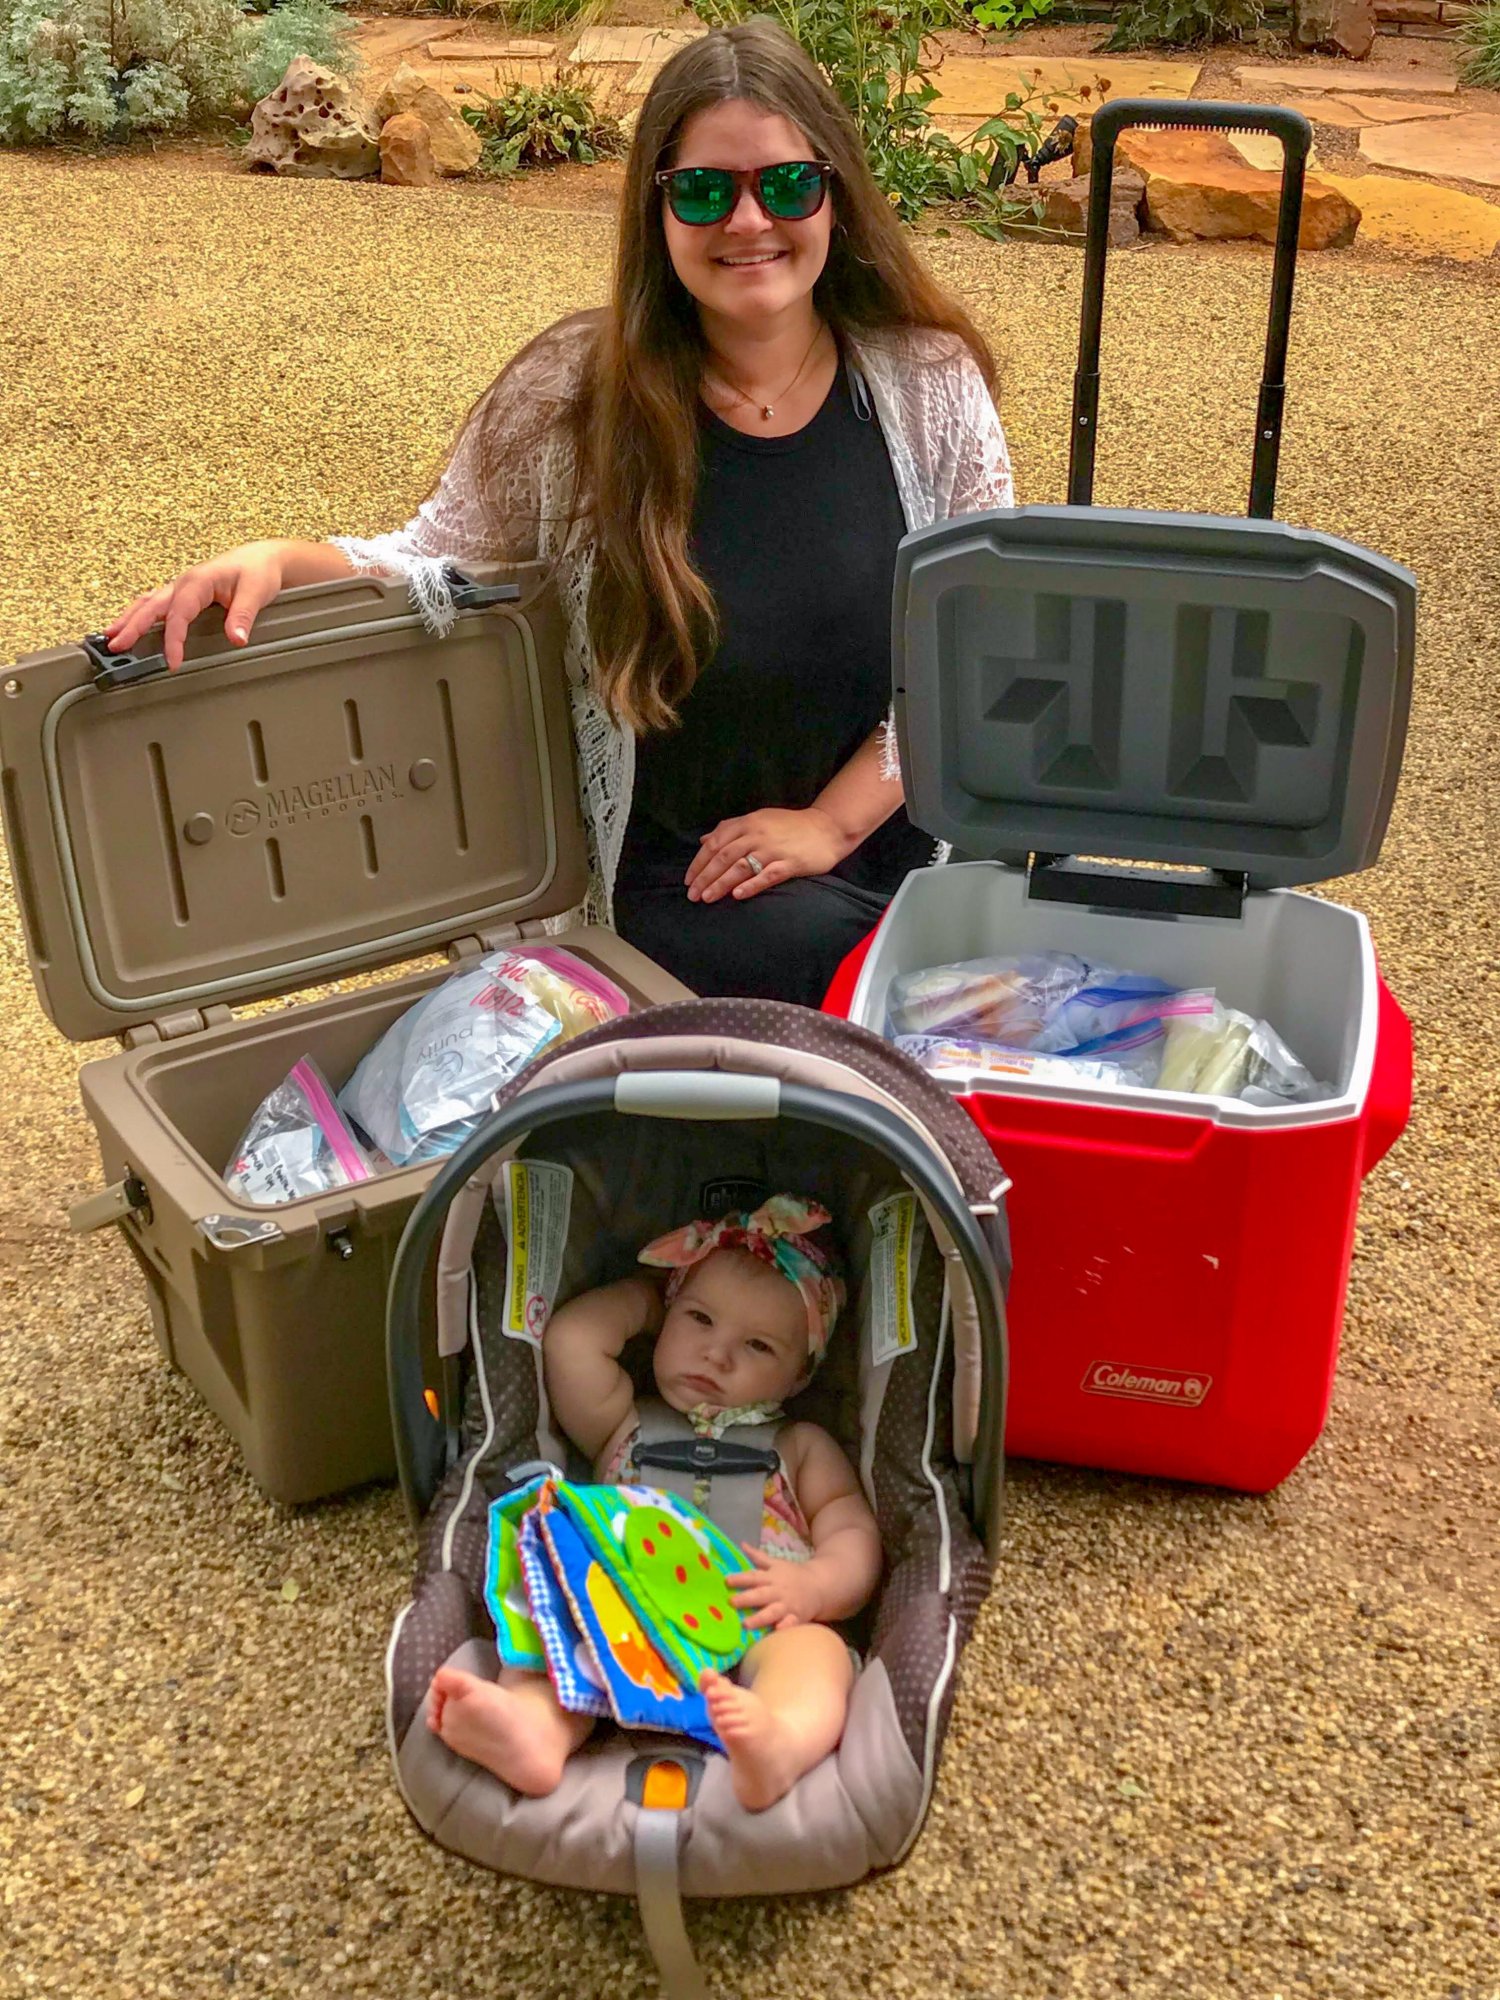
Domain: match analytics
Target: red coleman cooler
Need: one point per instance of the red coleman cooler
(1219, 707)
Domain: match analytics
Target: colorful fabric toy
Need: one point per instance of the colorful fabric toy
(778, 1233)
(626, 1595)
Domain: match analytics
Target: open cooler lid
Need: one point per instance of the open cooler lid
(345, 792)
(1231, 694)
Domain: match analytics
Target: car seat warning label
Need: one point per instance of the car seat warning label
(894, 1249)
(538, 1200)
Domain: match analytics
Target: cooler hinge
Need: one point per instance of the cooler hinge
(173, 1027)
(495, 940)
(1151, 892)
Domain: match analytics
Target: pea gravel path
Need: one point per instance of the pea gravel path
(1206, 1746)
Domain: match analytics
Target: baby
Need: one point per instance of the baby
(741, 1321)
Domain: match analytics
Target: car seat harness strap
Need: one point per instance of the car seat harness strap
(725, 1476)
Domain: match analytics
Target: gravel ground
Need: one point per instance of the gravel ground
(1206, 1745)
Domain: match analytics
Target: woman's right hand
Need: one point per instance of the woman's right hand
(244, 581)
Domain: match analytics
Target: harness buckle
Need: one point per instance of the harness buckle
(715, 1456)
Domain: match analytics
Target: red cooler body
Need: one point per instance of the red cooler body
(1178, 1291)
(1219, 707)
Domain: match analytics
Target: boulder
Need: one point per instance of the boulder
(310, 126)
(456, 146)
(406, 152)
(1066, 206)
(1083, 142)
(1345, 27)
(1198, 186)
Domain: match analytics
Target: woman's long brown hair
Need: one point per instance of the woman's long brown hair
(634, 420)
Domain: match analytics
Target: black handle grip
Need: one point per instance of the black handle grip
(1201, 115)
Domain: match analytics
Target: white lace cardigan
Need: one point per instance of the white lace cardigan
(946, 448)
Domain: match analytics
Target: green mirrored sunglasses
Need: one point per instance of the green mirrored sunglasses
(790, 191)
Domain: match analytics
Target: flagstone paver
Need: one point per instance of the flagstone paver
(977, 86)
(1391, 110)
(631, 45)
(1460, 149)
(1372, 80)
(1263, 150)
(1328, 111)
(461, 49)
(1415, 216)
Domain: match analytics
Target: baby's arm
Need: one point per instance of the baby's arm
(844, 1535)
(590, 1393)
(841, 1575)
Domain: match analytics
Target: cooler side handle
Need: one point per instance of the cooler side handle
(1295, 134)
(1388, 1106)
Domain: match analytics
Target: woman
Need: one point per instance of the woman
(717, 467)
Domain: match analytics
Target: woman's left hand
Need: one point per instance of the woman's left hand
(785, 843)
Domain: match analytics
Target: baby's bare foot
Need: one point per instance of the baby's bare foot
(498, 1728)
(762, 1752)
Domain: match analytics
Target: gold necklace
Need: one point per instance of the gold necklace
(768, 410)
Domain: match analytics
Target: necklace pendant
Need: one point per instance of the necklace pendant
(767, 412)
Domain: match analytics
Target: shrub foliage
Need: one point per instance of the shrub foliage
(109, 69)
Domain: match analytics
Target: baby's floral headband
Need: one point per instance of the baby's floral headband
(778, 1233)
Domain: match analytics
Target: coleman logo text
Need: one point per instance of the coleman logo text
(1183, 1386)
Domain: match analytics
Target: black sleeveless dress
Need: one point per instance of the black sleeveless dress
(797, 538)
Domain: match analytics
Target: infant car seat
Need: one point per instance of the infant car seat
(679, 1111)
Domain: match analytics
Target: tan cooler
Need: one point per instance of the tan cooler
(346, 792)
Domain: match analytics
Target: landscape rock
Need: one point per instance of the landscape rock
(456, 146)
(1083, 142)
(1345, 27)
(406, 152)
(1066, 206)
(310, 126)
(1198, 186)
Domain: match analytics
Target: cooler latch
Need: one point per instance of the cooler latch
(471, 596)
(116, 670)
(1147, 891)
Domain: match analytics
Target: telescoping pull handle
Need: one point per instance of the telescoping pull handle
(1295, 134)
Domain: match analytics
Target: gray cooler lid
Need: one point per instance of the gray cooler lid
(1231, 694)
(345, 792)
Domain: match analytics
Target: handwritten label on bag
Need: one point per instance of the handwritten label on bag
(894, 1249)
(538, 1202)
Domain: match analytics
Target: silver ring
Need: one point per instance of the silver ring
(755, 867)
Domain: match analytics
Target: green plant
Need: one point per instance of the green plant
(1479, 38)
(531, 126)
(1007, 14)
(877, 60)
(109, 69)
(1141, 23)
(298, 28)
(519, 17)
